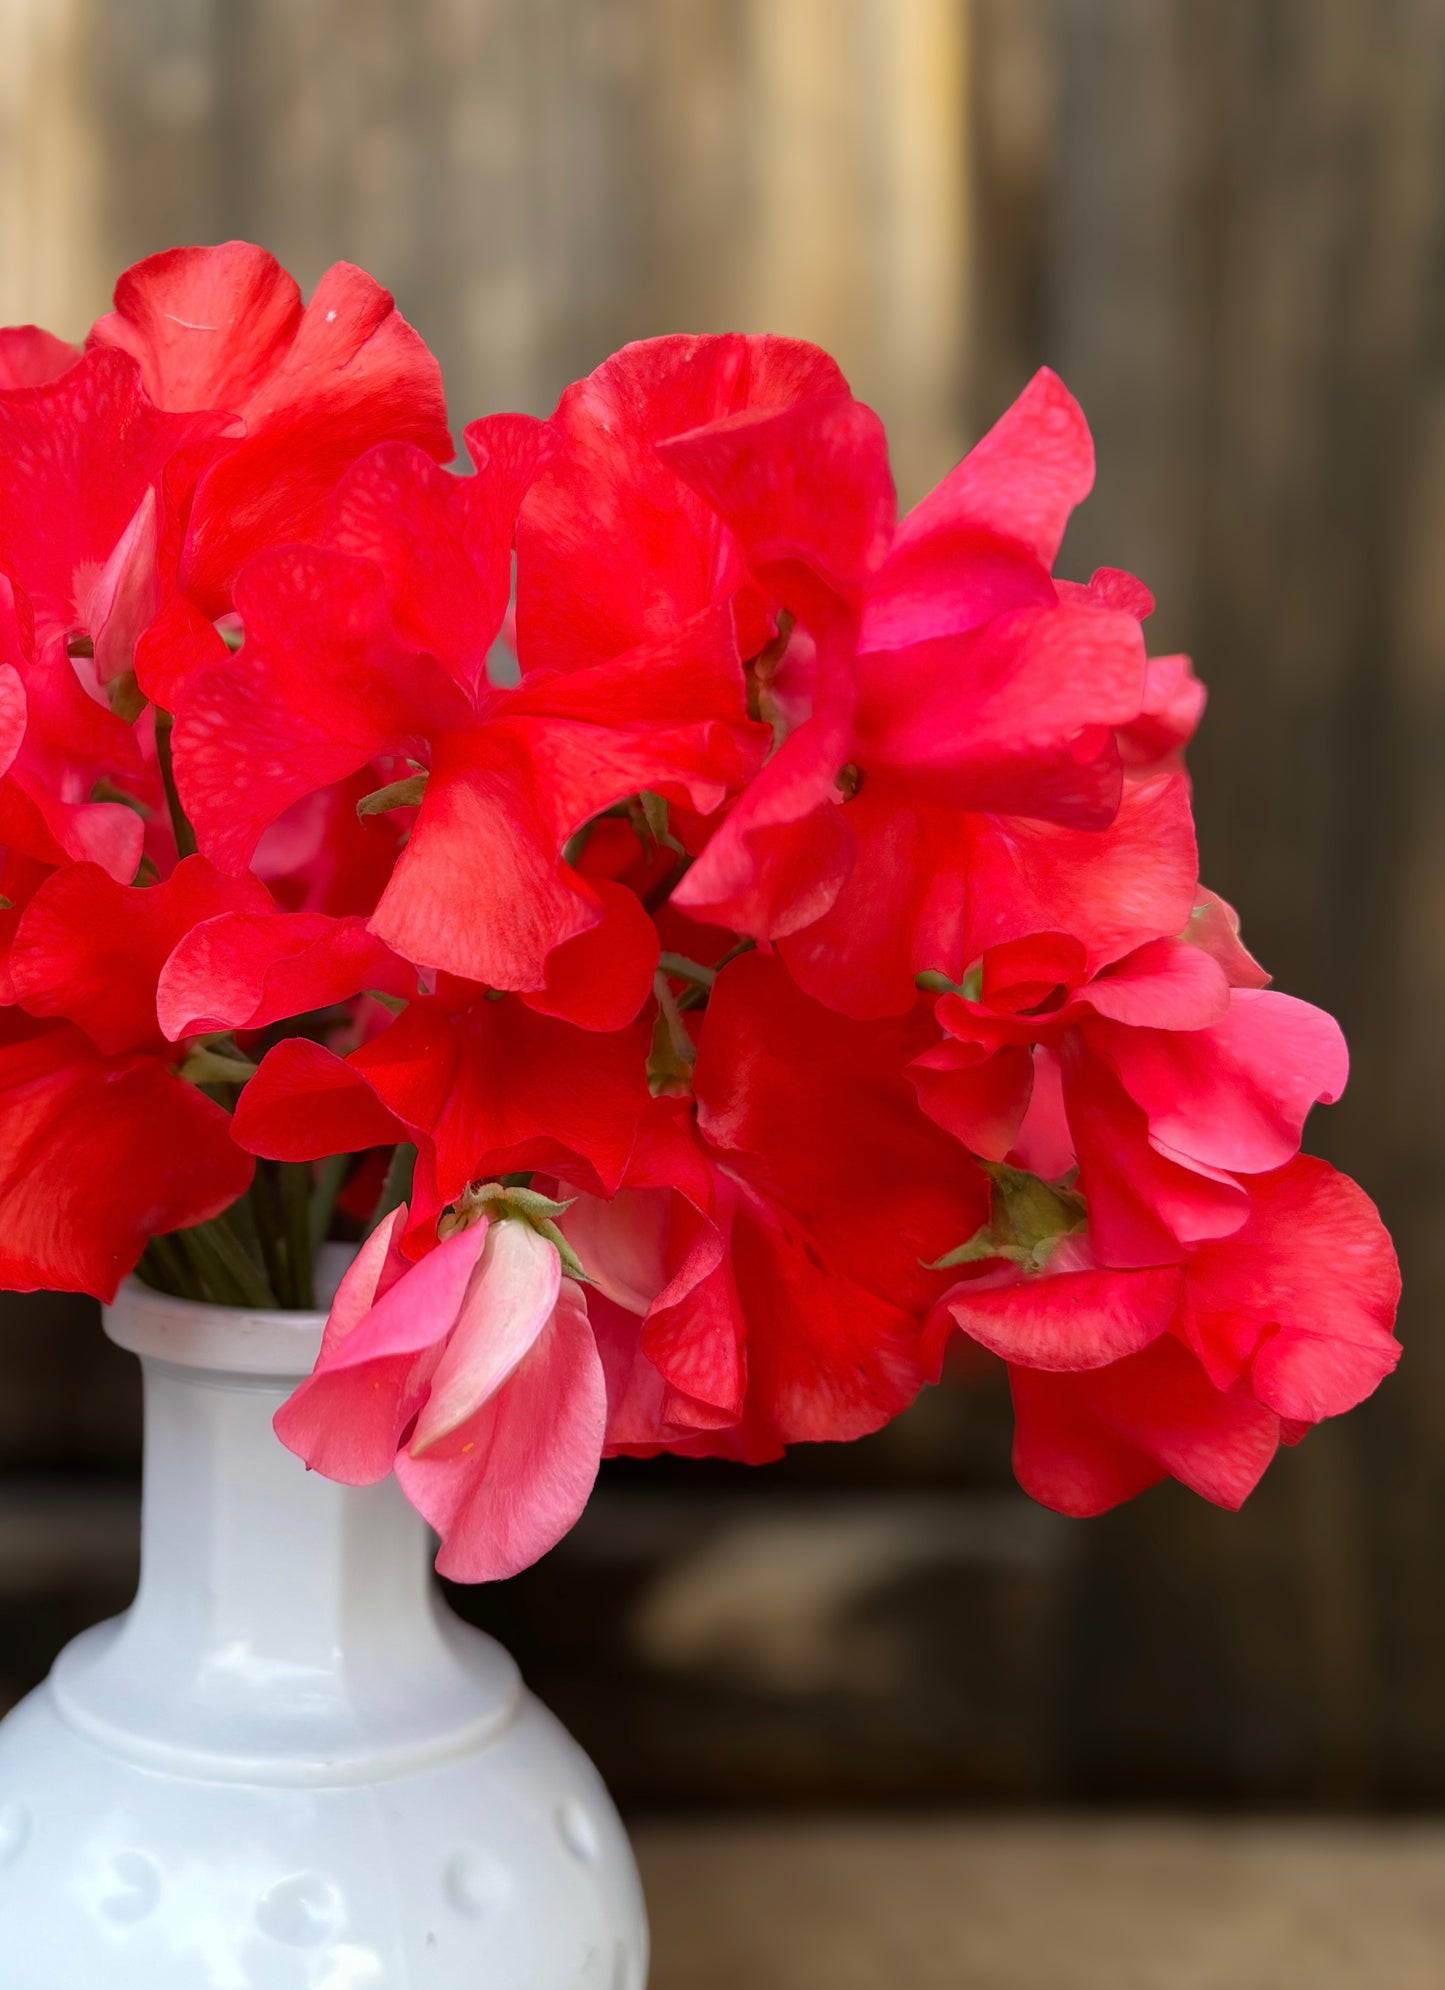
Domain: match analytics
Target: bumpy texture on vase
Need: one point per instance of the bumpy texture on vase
(288, 1766)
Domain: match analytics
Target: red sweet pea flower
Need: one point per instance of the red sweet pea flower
(977, 790)
(1160, 1082)
(325, 685)
(736, 473)
(1194, 1371)
(56, 744)
(315, 386)
(625, 938)
(106, 1144)
(100, 1155)
(483, 1087)
(774, 1240)
(81, 461)
(614, 550)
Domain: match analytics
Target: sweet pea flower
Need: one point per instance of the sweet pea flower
(1166, 1084)
(1196, 1371)
(473, 1375)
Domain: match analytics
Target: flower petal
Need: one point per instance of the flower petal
(245, 970)
(100, 1155)
(507, 1304)
(349, 1415)
(508, 1484)
(1070, 1320)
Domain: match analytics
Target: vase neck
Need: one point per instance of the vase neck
(246, 1554)
(285, 1626)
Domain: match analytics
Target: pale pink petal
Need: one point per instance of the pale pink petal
(507, 1304)
(622, 1243)
(508, 1484)
(376, 1267)
(126, 594)
(350, 1414)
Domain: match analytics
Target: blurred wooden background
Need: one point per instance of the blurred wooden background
(1222, 221)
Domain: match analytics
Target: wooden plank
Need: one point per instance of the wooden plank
(1009, 1905)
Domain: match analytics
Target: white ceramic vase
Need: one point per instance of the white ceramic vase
(289, 1766)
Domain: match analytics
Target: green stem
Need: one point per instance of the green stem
(218, 1238)
(696, 996)
(329, 1177)
(396, 1189)
(296, 1205)
(163, 1266)
(263, 1215)
(185, 835)
(683, 969)
(240, 1220)
(204, 1066)
(217, 1286)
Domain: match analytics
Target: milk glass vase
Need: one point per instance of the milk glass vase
(289, 1766)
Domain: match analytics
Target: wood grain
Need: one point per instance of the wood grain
(940, 1905)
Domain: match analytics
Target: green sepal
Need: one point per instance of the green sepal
(499, 1200)
(1027, 1219)
(671, 1058)
(125, 697)
(571, 1263)
(406, 793)
(934, 982)
(649, 817)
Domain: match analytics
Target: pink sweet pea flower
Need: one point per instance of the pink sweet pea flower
(474, 1376)
(1160, 1081)
(1195, 1371)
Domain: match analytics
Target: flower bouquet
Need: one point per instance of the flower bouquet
(700, 941)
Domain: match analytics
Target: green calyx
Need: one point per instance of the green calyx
(406, 793)
(1028, 1218)
(500, 1201)
(673, 1053)
(934, 982)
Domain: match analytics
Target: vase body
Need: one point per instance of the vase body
(289, 1766)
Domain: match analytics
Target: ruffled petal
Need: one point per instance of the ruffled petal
(245, 970)
(100, 1155)
(92, 950)
(1070, 1320)
(508, 1302)
(305, 1102)
(506, 1485)
(1083, 1443)
(354, 374)
(348, 1417)
(1303, 1296)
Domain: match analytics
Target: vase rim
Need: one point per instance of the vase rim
(228, 1340)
